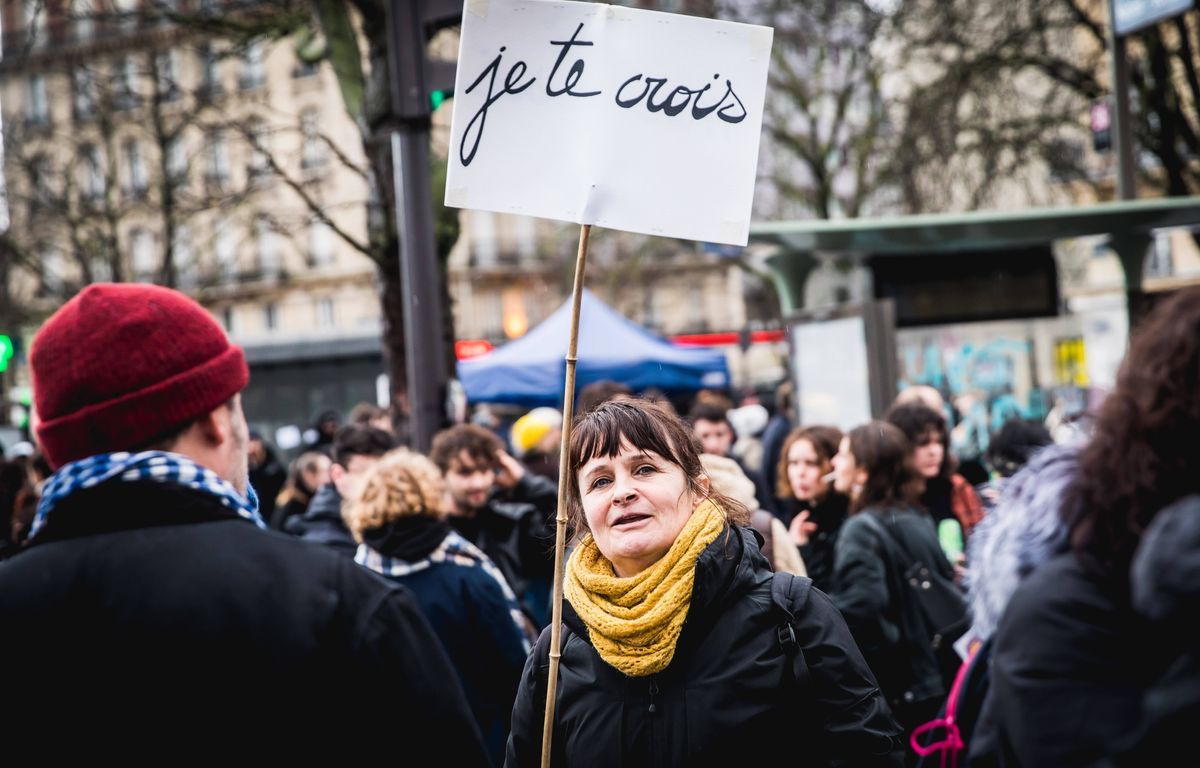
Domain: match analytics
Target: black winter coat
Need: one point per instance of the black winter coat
(148, 612)
(729, 691)
(1070, 662)
(322, 522)
(870, 592)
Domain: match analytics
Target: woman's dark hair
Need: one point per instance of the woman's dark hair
(824, 440)
(1144, 453)
(883, 451)
(1014, 443)
(648, 427)
(916, 420)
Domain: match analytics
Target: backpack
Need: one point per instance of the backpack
(941, 602)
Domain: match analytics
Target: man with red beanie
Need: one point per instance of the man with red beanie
(148, 603)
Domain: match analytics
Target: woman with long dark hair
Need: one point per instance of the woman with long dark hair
(873, 466)
(1072, 657)
(814, 509)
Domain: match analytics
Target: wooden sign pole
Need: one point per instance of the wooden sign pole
(560, 536)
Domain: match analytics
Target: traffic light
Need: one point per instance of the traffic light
(6, 352)
(419, 84)
(438, 98)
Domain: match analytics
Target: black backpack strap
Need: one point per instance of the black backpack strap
(789, 590)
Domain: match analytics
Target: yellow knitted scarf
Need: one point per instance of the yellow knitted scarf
(635, 622)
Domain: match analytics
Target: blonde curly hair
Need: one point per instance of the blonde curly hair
(401, 484)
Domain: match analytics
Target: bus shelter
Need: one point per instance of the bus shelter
(985, 307)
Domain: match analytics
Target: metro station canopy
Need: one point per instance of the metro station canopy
(1130, 226)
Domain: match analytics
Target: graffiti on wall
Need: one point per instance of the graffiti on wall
(986, 383)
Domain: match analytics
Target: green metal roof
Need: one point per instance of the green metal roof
(943, 233)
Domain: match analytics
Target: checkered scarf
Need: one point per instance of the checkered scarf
(456, 550)
(156, 466)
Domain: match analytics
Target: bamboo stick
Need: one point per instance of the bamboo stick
(560, 536)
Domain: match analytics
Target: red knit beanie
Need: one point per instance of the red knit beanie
(120, 365)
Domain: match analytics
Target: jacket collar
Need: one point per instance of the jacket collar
(112, 507)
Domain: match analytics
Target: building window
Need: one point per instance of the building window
(226, 251)
(83, 16)
(34, 13)
(253, 72)
(183, 257)
(38, 109)
(320, 242)
(141, 250)
(52, 270)
(210, 76)
(268, 248)
(41, 176)
(102, 271)
(259, 139)
(135, 169)
(127, 91)
(217, 171)
(83, 92)
(312, 149)
(271, 317)
(166, 74)
(177, 162)
(92, 184)
(325, 313)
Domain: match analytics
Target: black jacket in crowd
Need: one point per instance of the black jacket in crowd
(145, 612)
(829, 514)
(516, 530)
(1071, 660)
(322, 522)
(728, 693)
(870, 592)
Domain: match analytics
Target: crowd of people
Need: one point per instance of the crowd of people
(722, 589)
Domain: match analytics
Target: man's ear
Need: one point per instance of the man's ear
(336, 472)
(215, 427)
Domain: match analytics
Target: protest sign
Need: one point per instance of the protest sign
(596, 114)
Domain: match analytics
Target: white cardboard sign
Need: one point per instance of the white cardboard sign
(596, 114)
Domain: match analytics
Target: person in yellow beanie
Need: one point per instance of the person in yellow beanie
(678, 645)
(535, 438)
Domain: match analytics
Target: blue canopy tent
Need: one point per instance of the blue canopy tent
(530, 370)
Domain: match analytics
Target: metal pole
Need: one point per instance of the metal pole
(423, 331)
(1122, 124)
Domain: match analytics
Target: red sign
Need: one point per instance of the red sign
(465, 349)
(730, 338)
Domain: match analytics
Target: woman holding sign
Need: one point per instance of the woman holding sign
(679, 646)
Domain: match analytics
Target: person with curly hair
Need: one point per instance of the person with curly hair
(1072, 655)
(398, 518)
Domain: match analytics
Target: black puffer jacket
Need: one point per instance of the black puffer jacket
(869, 590)
(728, 692)
(149, 611)
(322, 522)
